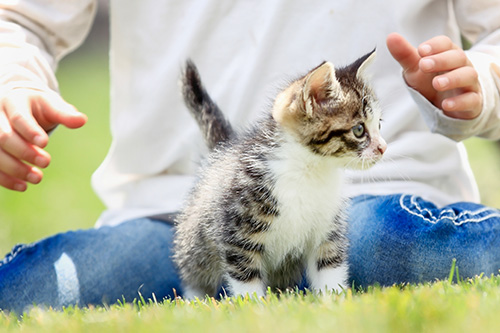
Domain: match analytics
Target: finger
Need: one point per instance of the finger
(403, 52)
(17, 147)
(21, 150)
(57, 111)
(463, 77)
(444, 61)
(496, 69)
(436, 45)
(18, 111)
(12, 183)
(463, 106)
(16, 169)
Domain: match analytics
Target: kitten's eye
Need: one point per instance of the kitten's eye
(358, 130)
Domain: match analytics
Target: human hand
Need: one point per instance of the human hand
(441, 72)
(26, 115)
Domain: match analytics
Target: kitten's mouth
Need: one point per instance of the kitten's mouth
(363, 163)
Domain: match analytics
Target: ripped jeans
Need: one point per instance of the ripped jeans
(394, 239)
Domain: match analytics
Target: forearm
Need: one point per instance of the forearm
(35, 35)
(484, 56)
(479, 22)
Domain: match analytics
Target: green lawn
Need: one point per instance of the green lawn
(438, 307)
(64, 200)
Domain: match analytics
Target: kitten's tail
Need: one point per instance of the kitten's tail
(214, 126)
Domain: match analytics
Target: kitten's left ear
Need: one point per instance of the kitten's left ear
(320, 85)
(363, 63)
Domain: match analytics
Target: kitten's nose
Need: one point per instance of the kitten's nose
(382, 147)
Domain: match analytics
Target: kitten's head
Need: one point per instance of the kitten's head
(334, 113)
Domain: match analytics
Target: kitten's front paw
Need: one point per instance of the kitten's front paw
(254, 287)
(330, 279)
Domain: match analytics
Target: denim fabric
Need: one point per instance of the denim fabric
(394, 239)
(92, 266)
(403, 238)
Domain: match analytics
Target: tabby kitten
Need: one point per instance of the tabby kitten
(269, 203)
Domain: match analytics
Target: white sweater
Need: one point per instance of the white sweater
(246, 51)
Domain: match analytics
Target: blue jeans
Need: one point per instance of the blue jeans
(394, 239)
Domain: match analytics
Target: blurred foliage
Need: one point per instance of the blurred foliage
(484, 157)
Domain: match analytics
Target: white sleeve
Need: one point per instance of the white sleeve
(35, 35)
(479, 22)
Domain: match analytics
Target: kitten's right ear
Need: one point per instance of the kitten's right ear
(363, 63)
(320, 85)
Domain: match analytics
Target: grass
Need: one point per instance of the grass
(442, 306)
(65, 200)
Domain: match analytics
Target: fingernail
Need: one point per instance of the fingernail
(443, 82)
(450, 105)
(39, 141)
(427, 64)
(425, 49)
(33, 178)
(41, 161)
(20, 187)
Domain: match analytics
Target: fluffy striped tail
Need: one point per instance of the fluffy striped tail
(214, 126)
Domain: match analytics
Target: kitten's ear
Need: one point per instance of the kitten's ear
(363, 63)
(320, 85)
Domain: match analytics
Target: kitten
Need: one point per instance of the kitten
(269, 203)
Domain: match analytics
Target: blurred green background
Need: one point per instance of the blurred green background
(64, 200)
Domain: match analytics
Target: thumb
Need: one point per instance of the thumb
(403, 52)
(58, 111)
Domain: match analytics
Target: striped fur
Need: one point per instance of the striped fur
(269, 205)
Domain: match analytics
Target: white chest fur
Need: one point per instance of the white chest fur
(308, 189)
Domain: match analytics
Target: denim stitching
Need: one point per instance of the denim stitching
(454, 219)
(420, 209)
(401, 203)
(414, 202)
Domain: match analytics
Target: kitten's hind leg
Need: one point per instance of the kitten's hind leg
(191, 293)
